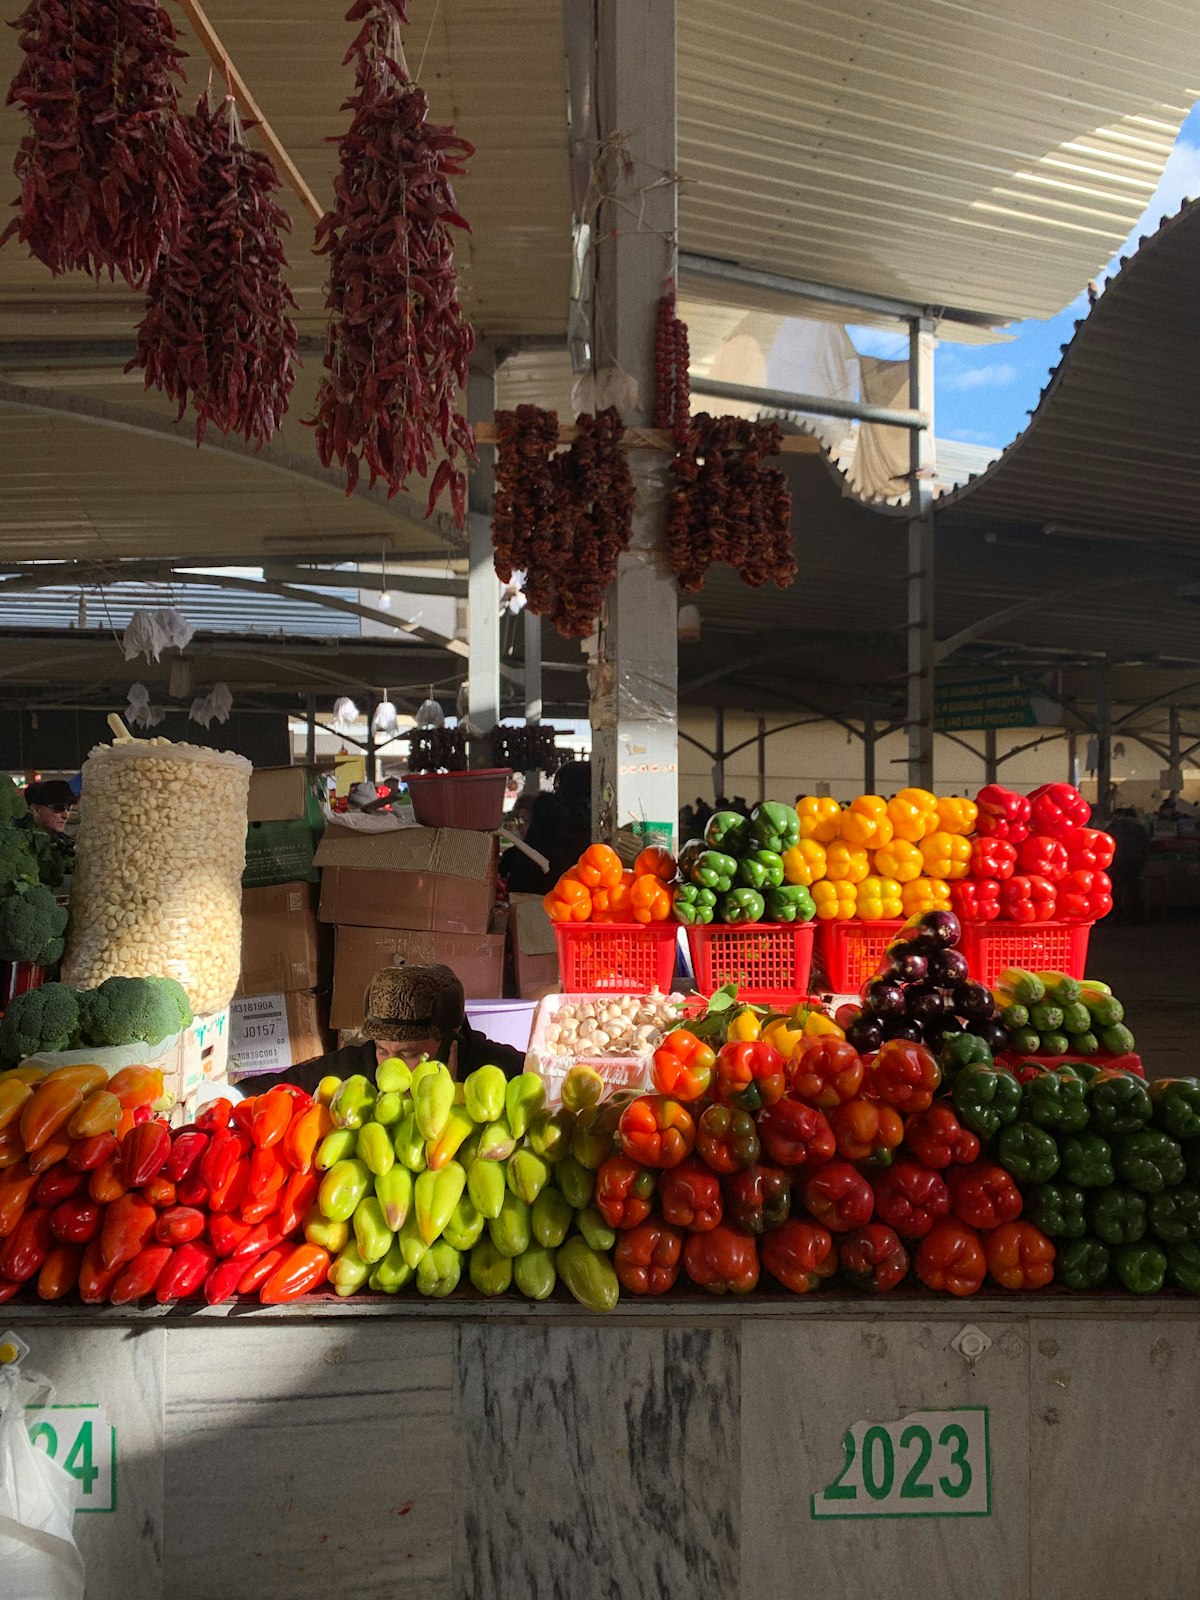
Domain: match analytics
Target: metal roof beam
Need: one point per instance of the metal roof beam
(812, 405)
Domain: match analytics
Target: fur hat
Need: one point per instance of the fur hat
(405, 1003)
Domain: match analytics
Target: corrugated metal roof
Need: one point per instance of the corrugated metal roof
(209, 609)
(989, 155)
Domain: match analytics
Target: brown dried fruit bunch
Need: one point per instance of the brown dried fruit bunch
(728, 505)
(216, 331)
(105, 168)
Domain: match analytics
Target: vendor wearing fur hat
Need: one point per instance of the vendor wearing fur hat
(411, 1012)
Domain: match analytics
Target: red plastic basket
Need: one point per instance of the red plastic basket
(851, 951)
(616, 957)
(1040, 946)
(768, 961)
(472, 800)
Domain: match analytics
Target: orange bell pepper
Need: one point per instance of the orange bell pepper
(846, 863)
(305, 1132)
(16, 1186)
(613, 905)
(14, 1096)
(866, 1131)
(570, 900)
(658, 861)
(46, 1155)
(819, 817)
(946, 855)
(650, 899)
(901, 860)
(956, 814)
(865, 822)
(925, 894)
(11, 1148)
(804, 863)
(137, 1086)
(599, 867)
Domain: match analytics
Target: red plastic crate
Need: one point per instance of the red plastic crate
(990, 947)
(616, 957)
(768, 961)
(851, 951)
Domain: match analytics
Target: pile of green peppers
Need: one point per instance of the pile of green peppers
(737, 874)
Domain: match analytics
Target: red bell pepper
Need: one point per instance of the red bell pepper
(689, 1196)
(1058, 809)
(229, 1195)
(1003, 814)
(1089, 850)
(983, 1195)
(758, 1198)
(796, 1135)
(904, 1075)
(26, 1247)
(648, 1258)
(242, 1119)
(224, 1151)
(141, 1275)
(106, 1184)
(215, 1115)
(269, 1171)
(750, 1074)
(128, 1228)
(938, 1139)
(623, 1192)
(272, 1112)
(722, 1261)
(144, 1153)
(975, 899)
(88, 1154)
(683, 1066)
(1025, 899)
(263, 1236)
(799, 1255)
(304, 1270)
(184, 1275)
(839, 1197)
(1040, 856)
(993, 858)
(179, 1225)
(826, 1072)
(57, 1184)
(226, 1233)
(95, 1279)
(192, 1190)
(263, 1267)
(1019, 1256)
(726, 1139)
(1084, 896)
(656, 1131)
(76, 1221)
(188, 1145)
(867, 1131)
(873, 1258)
(951, 1259)
(911, 1198)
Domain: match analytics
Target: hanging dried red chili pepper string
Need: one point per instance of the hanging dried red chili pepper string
(728, 505)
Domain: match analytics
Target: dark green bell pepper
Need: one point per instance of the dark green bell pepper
(694, 907)
(1087, 1070)
(1056, 1101)
(1083, 1264)
(791, 902)
(1028, 1152)
(774, 826)
(961, 1050)
(1087, 1160)
(1118, 1103)
(986, 1100)
(761, 869)
(1118, 1216)
(1149, 1160)
(1142, 1268)
(1175, 1216)
(741, 906)
(728, 832)
(1176, 1103)
(1057, 1209)
(1183, 1265)
(713, 870)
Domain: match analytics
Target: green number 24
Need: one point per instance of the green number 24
(79, 1461)
(879, 1464)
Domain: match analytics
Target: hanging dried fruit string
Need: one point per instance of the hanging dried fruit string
(398, 345)
(437, 749)
(105, 168)
(728, 505)
(528, 747)
(216, 331)
(672, 386)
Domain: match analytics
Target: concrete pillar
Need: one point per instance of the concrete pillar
(718, 771)
(310, 735)
(1103, 741)
(533, 681)
(483, 587)
(868, 751)
(921, 643)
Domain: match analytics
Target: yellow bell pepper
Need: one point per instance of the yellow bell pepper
(865, 821)
(956, 814)
(745, 1025)
(946, 855)
(925, 894)
(804, 862)
(835, 899)
(879, 899)
(819, 815)
(846, 862)
(783, 1034)
(814, 1022)
(900, 860)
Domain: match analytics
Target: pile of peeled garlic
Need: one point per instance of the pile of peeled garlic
(623, 1025)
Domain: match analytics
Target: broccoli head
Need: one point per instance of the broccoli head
(41, 1019)
(130, 1011)
(18, 860)
(12, 801)
(32, 924)
(174, 992)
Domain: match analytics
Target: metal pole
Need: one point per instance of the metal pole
(921, 641)
(1176, 759)
(990, 763)
(483, 587)
(718, 771)
(1072, 757)
(808, 405)
(370, 751)
(869, 751)
(762, 759)
(533, 682)
(310, 738)
(1103, 741)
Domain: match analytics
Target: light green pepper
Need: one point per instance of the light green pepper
(439, 1270)
(337, 1145)
(371, 1232)
(534, 1272)
(408, 1143)
(465, 1225)
(550, 1217)
(349, 1271)
(491, 1273)
(353, 1103)
(483, 1094)
(393, 1076)
(394, 1191)
(412, 1246)
(549, 1134)
(524, 1097)
(392, 1273)
(433, 1101)
(527, 1174)
(435, 1195)
(510, 1232)
(596, 1232)
(342, 1187)
(589, 1276)
(496, 1141)
(575, 1181)
(389, 1108)
(375, 1148)
(487, 1186)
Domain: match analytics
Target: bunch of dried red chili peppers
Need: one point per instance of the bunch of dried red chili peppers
(105, 168)
(728, 505)
(216, 329)
(562, 519)
(397, 348)
(672, 389)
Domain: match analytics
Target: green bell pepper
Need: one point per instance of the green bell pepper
(490, 1272)
(595, 1230)
(590, 1276)
(1087, 1070)
(483, 1094)
(1176, 1103)
(534, 1272)
(439, 1271)
(1057, 1101)
(511, 1231)
(392, 1273)
(527, 1174)
(774, 826)
(487, 1186)
(1149, 1160)
(1175, 1216)
(763, 869)
(694, 907)
(791, 902)
(1183, 1264)
(1057, 1209)
(409, 1144)
(961, 1050)
(435, 1195)
(1028, 1152)
(741, 906)
(550, 1218)
(352, 1104)
(393, 1076)
(1083, 1264)
(394, 1191)
(986, 1100)
(728, 832)
(466, 1225)
(1118, 1216)
(576, 1183)
(371, 1232)
(1118, 1103)
(549, 1134)
(714, 870)
(1142, 1268)
(1087, 1160)
(348, 1271)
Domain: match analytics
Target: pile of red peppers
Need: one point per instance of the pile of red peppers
(1034, 859)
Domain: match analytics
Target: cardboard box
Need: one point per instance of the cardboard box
(359, 953)
(283, 944)
(200, 1056)
(534, 953)
(285, 823)
(286, 794)
(437, 880)
(271, 1032)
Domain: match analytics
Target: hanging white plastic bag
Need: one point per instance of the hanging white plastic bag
(39, 1559)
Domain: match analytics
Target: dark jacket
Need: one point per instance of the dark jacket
(474, 1050)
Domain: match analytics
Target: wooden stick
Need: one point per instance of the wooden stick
(249, 107)
(793, 444)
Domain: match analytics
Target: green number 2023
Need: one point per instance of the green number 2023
(879, 1464)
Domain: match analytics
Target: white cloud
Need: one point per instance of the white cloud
(972, 436)
(993, 375)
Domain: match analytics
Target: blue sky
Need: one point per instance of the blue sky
(984, 394)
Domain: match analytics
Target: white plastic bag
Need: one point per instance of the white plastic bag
(39, 1559)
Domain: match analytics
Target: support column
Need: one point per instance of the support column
(868, 751)
(990, 764)
(483, 587)
(310, 735)
(718, 771)
(369, 759)
(634, 709)
(533, 682)
(762, 759)
(1072, 757)
(921, 644)
(1176, 759)
(1103, 741)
